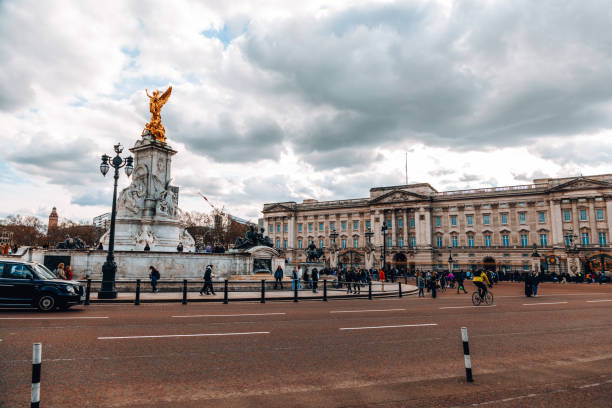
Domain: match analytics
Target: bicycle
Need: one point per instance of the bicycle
(477, 299)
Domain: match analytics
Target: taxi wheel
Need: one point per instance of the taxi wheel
(46, 302)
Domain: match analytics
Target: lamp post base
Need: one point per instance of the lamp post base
(107, 291)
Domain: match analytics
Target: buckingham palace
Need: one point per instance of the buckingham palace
(554, 225)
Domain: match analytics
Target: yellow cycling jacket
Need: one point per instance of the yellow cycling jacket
(482, 277)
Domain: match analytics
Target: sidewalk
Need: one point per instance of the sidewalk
(390, 289)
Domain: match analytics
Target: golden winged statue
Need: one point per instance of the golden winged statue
(156, 101)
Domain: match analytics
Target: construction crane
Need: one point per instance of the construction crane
(237, 219)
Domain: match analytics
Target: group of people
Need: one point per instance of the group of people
(434, 281)
(63, 272)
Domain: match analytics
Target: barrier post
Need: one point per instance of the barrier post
(400, 289)
(225, 295)
(466, 355)
(325, 290)
(263, 291)
(370, 290)
(36, 362)
(184, 291)
(295, 290)
(87, 292)
(137, 299)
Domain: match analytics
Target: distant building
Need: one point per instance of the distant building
(102, 221)
(6, 237)
(53, 219)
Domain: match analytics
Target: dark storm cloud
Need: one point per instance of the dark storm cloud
(586, 152)
(488, 74)
(346, 159)
(225, 140)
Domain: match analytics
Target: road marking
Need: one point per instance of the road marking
(464, 307)
(52, 318)
(548, 303)
(597, 301)
(388, 327)
(366, 311)
(180, 335)
(229, 315)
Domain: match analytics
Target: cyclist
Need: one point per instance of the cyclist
(479, 280)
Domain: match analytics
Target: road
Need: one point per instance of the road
(554, 350)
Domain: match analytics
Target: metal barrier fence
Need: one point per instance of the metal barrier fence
(235, 290)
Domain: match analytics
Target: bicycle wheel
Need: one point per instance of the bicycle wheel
(488, 298)
(476, 299)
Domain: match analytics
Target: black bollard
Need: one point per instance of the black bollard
(295, 290)
(263, 291)
(87, 292)
(137, 299)
(184, 291)
(370, 290)
(225, 295)
(36, 361)
(400, 289)
(466, 355)
(325, 290)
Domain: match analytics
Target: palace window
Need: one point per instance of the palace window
(286, 228)
(524, 240)
(271, 229)
(285, 244)
(321, 243)
(504, 219)
(332, 225)
(299, 243)
(400, 222)
(355, 225)
(583, 215)
(355, 242)
(522, 217)
(485, 206)
(438, 221)
(543, 240)
(368, 225)
(470, 241)
(321, 227)
(277, 227)
(585, 238)
(389, 242)
(568, 239)
(486, 219)
(599, 214)
(411, 222)
(603, 239)
(343, 225)
(412, 242)
(470, 220)
(487, 240)
(541, 216)
(454, 241)
(567, 215)
(439, 241)
(278, 243)
(400, 242)
(453, 220)
(389, 224)
(299, 227)
(344, 243)
(505, 240)
(310, 226)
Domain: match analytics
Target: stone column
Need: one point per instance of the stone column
(393, 229)
(556, 224)
(427, 227)
(609, 218)
(575, 222)
(292, 227)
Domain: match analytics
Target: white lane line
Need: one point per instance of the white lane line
(464, 307)
(548, 303)
(230, 315)
(52, 318)
(181, 335)
(388, 327)
(597, 301)
(366, 311)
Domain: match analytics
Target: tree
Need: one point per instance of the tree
(212, 229)
(27, 230)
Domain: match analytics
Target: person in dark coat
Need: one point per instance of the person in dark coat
(528, 285)
(208, 275)
(315, 280)
(278, 277)
(460, 277)
(154, 276)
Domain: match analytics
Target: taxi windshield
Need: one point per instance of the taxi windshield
(43, 272)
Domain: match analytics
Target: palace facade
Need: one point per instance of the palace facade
(567, 219)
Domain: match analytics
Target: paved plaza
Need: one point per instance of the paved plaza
(550, 351)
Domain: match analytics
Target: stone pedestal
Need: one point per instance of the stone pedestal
(147, 210)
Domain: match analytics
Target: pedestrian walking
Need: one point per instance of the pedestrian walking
(68, 272)
(315, 280)
(433, 283)
(154, 276)
(208, 275)
(59, 271)
(278, 277)
(421, 284)
(306, 278)
(460, 277)
(535, 281)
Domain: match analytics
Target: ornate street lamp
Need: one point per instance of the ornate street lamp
(109, 269)
(368, 235)
(384, 255)
(332, 236)
(536, 257)
(450, 261)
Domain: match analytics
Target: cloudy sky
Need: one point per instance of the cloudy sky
(276, 101)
